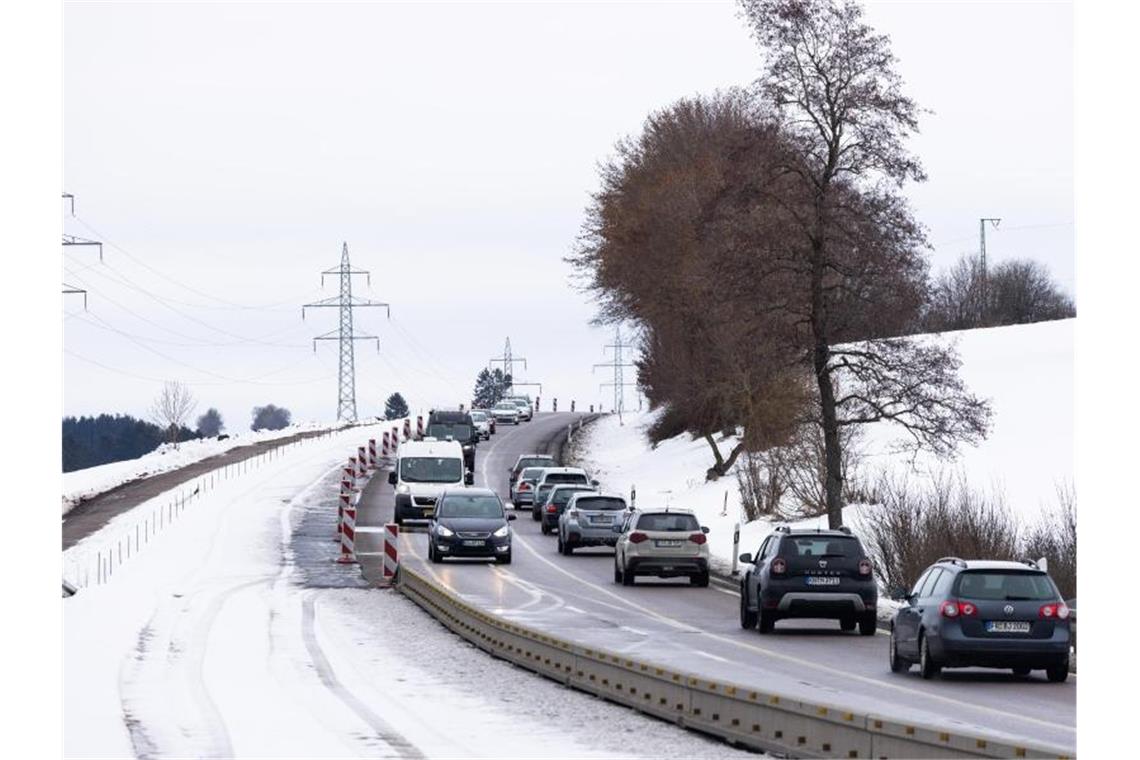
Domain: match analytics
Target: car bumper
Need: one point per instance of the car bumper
(667, 567)
(454, 547)
(522, 498)
(794, 599)
(580, 535)
(406, 509)
(952, 649)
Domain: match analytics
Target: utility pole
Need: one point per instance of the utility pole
(69, 240)
(618, 366)
(508, 365)
(346, 302)
(985, 270)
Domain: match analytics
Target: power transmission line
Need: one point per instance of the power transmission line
(346, 302)
(70, 240)
(618, 365)
(508, 361)
(985, 272)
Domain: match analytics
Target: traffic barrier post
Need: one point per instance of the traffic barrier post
(391, 552)
(385, 446)
(419, 426)
(407, 428)
(348, 536)
(372, 463)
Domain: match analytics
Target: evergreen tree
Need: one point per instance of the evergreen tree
(490, 387)
(210, 423)
(395, 407)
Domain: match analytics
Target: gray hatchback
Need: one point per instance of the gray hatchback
(589, 520)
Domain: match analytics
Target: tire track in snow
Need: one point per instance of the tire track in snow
(400, 746)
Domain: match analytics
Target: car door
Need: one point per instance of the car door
(752, 577)
(623, 540)
(909, 617)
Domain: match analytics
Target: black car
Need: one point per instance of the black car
(809, 574)
(455, 425)
(555, 504)
(982, 613)
(470, 522)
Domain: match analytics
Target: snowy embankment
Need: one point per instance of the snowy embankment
(79, 485)
(1026, 372)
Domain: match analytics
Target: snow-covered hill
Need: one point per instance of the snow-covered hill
(1026, 371)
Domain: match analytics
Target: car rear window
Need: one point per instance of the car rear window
(666, 522)
(566, 477)
(600, 503)
(1005, 585)
(530, 473)
(562, 495)
(821, 546)
(535, 462)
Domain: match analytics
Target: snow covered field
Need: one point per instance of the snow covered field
(233, 634)
(82, 484)
(1026, 371)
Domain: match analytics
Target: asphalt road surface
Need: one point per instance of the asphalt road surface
(698, 630)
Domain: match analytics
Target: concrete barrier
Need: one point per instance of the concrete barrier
(740, 714)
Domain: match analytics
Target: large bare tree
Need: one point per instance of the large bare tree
(172, 408)
(854, 268)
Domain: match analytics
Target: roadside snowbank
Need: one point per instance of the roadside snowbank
(91, 481)
(1026, 371)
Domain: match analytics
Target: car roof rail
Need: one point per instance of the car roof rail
(1032, 563)
(952, 560)
(782, 529)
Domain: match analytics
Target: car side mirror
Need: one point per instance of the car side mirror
(899, 594)
(512, 517)
(746, 558)
(704, 529)
(469, 478)
(392, 478)
(595, 483)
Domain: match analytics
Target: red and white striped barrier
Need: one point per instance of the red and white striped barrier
(348, 536)
(350, 472)
(345, 501)
(391, 556)
(419, 426)
(372, 463)
(385, 446)
(395, 439)
(407, 428)
(361, 461)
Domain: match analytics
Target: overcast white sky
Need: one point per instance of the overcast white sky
(224, 151)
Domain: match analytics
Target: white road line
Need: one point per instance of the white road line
(710, 656)
(790, 658)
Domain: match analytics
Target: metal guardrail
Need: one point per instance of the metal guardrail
(739, 714)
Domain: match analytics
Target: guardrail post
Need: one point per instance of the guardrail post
(391, 552)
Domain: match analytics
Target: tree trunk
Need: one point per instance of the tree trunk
(722, 465)
(821, 358)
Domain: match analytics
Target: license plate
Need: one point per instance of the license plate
(1007, 626)
(472, 543)
(602, 520)
(821, 580)
(666, 542)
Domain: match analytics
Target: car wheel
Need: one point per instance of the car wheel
(617, 571)
(545, 529)
(1058, 673)
(628, 577)
(701, 580)
(561, 546)
(1022, 672)
(868, 623)
(898, 664)
(767, 621)
(847, 624)
(568, 548)
(433, 554)
(926, 664)
(535, 515)
(747, 616)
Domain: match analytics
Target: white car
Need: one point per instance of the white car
(482, 424)
(425, 469)
(506, 411)
(668, 543)
(526, 411)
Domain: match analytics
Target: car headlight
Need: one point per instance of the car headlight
(403, 488)
(443, 530)
(502, 532)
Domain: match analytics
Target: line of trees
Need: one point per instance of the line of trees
(491, 387)
(760, 240)
(99, 439)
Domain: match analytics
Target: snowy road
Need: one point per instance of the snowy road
(697, 629)
(235, 635)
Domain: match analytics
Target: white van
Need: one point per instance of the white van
(424, 469)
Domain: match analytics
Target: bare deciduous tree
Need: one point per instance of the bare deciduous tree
(172, 408)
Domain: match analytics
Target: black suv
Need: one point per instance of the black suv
(455, 425)
(982, 613)
(809, 574)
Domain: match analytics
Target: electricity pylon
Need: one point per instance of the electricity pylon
(346, 302)
(618, 366)
(508, 365)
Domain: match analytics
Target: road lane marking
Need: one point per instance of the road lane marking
(791, 658)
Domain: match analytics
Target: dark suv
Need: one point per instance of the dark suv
(809, 574)
(455, 425)
(982, 613)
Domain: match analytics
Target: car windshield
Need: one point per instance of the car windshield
(470, 505)
(457, 431)
(521, 402)
(668, 522)
(542, 491)
(535, 462)
(600, 503)
(1005, 586)
(562, 495)
(478, 416)
(431, 469)
(531, 473)
(506, 406)
(566, 477)
(821, 546)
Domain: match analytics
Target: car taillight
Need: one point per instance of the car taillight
(779, 566)
(551, 508)
(1056, 610)
(697, 538)
(637, 537)
(573, 514)
(524, 487)
(952, 608)
(864, 567)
